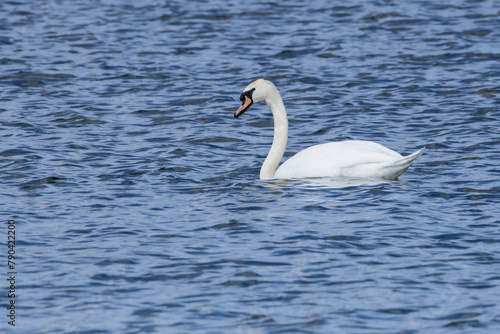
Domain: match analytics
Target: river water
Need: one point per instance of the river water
(136, 194)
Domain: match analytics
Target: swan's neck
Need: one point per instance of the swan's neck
(270, 165)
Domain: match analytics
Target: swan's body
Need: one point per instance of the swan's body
(352, 158)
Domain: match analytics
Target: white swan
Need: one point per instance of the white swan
(352, 158)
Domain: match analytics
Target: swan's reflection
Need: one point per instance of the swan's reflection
(326, 182)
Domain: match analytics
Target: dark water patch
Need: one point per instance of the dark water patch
(76, 120)
(301, 237)
(42, 183)
(342, 238)
(397, 311)
(32, 79)
(4, 61)
(14, 152)
(451, 236)
(460, 316)
(243, 283)
(230, 226)
(111, 262)
(465, 324)
(247, 274)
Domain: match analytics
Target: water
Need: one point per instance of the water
(136, 193)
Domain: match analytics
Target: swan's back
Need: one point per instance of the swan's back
(352, 158)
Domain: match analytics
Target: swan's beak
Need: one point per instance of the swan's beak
(246, 102)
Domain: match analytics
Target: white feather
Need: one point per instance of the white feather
(352, 158)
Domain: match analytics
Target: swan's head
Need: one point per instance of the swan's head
(257, 91)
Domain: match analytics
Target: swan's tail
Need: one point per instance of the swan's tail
(395, 168)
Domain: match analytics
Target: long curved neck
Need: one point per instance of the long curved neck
(275, 154)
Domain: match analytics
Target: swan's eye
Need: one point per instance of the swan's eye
(247, 94)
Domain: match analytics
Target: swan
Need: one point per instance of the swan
(346, 159)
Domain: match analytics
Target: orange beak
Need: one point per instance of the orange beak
(245, 104)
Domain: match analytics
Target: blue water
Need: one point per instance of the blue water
(136, 194)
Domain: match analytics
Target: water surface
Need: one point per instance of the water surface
(136, 193)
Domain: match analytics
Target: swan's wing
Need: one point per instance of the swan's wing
(393, 169)
(352, 158)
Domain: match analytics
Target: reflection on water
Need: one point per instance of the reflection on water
(326, 182)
